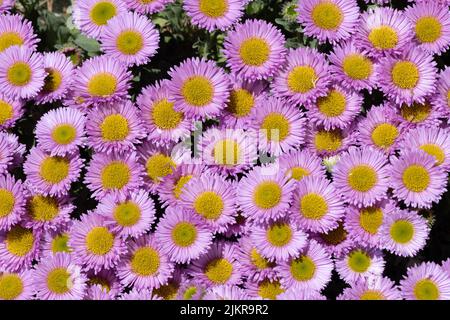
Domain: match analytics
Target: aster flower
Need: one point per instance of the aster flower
(431, 25)
(16, 31)
(147, 6)
(278, 240)
(331, 20)
(182, 235)
(114, 128)
(295, 294)
(10, 111)
(92, 16)
(130, 38)
(352, 67)
(198, 88)
(51, 175)
(212, 15)
(373, 288)
(408, 78)
(255, 50)
(442, 99)
(103, 285)
(21, 72)
(191, 290)
(426, 281)
(416, 180)
(19, 246)
(383, 32)
(311, 270)
(218, 266)
(317, 206)
(59, 79)
(12, 201)
(281, 127)
(16, 286)
(417, 114)
(144, 266)
(360, 263)
(113, 174)
(58, 278)
(300, 164)
(95, 246)
(404, 233)
(304, 77)
(264, 194)
(266, 289)
(336, 242)
(162, 122)
(226, 292)
(61, 131)
(212, 199)
(101, 79)
(328, 143)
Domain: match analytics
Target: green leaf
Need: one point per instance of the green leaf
(88, 44)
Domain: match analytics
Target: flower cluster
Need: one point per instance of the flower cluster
(251, 180)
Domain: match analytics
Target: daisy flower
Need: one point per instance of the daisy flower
(130, 38)
(94, 245)
(404, 233)
(426, 281)
(300, 164)
(92, 16)
(254, 50)
(113, 174)
(114, 128)
(16, 31)
(101, 79)
(311, 270)
(416, 114)
(278, 240)
(103, 285)
(61, 131)
(182, 235)
(360, 263)
(212, 199)
(147, 6)
(416, 180)
(59, 79)
(304, 78)
(408, 78)
(16, 286)
(264, 194)
(128, 214)
(317, 206)
(226, 292)
(19, 246)
(12, 201)
(281, 127)
(328, 20)
(337, 109)
(159, 117)
(213, 14)
(144, 266)
(352, 67)
(336, 242)
(328, 143)
(218, 266)
(431, 25)
(51, 175)
(442, 99)
(383, 31)
(58, 278)
(373, 288)
(266, 289)
(21, 72)
(10, 111)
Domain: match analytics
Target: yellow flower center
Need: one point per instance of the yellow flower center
(372, 295)
(127, 214)
(219, 270)
(103, 84)
(168, 291)
(178, 187)
(415, 113)
(416, 178)
(269, 289)
(11, 286)
(335, 236)
(276, 125)
(279, 234)
(9, 39)
(159, 166)
(58, 281)
(189, 293)
(101, 12)
(115, 127)
(259, 261)
(19, 241)
(52, 81)
(402, 231)
(328, 140)
(19, 74)
(145, 261)
(333, 104)
(129, 42)
(302, 79)
(64, 134)
(7, 201)
(60, 243)
(241, 103)
(209, 205)
(303, 268)
(327, 15)
(435, 151)
(254, 51)
(298, 173)
(362, 178)
(426, 289)
(54, 169)
(359, 261)
(384, 135)
(164, 115)
(357, 67)
(405, 74)
(115, 175)
(213, 8)
(184, 234)
(41, 208)
(267, 195)
(198, 91)
(371, 219)
(383, 37)
(6, 112)
(313, 206)
(99, 241)
(226, 152)
(428, 29)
